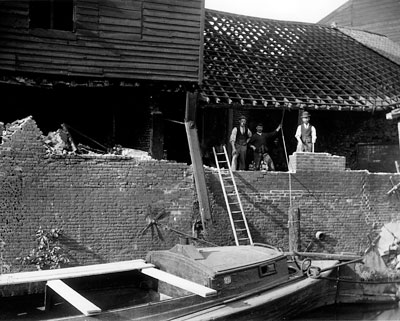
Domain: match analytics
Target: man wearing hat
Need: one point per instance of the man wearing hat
(240, 136)
(258, 143)
(306, 134)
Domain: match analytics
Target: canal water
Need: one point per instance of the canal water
(347, 312)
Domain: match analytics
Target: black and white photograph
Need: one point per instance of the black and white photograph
(198, 160)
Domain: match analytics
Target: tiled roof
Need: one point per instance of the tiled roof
(267, 63)
(379, 43)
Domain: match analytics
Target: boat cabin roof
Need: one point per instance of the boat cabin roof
(222, 259)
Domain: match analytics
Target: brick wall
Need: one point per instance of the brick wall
(101, 201)
(346, 205)
(316, 162)
(378, 157)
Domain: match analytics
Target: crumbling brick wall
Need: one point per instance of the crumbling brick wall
(100, 202)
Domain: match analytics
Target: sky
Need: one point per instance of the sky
(290, 10)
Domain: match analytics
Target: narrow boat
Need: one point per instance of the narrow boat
(246, 282)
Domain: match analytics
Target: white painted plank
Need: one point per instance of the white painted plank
(180, 282)
(73, 297)
(73, 272)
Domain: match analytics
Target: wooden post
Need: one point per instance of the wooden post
(195, 155)
(157, 135)
(229, 131)
(294, 229)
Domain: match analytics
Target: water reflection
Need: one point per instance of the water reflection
(347, 312)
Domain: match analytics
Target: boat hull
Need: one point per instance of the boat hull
(283, 301)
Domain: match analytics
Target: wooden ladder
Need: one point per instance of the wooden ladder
(234, 206)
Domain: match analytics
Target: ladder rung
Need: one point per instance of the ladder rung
(232, 198)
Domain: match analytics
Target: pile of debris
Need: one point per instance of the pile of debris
(60, 142)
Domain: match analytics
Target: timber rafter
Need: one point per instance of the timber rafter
(260, 63)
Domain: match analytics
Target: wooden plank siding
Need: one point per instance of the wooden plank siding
(122, 39)
(381, 17)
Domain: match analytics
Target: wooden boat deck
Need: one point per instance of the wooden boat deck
(53, 279)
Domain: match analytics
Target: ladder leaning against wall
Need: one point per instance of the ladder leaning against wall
(234, 206)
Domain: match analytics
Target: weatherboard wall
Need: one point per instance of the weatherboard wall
(381, 17)
(112, 39)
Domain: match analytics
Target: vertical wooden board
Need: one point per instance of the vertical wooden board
(195, 155)
(294, 229)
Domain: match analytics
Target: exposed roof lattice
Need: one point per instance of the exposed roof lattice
(269, 63)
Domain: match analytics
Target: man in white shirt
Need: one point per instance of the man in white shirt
(240, 136)
(306, 135)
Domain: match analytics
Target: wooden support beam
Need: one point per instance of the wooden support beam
(197, 162)
(157, 135)
(73, 297)
(72, 272)
(180, 282)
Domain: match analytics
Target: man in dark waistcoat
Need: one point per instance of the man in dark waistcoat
(306, 135)
(240, 136)
(258, 143)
